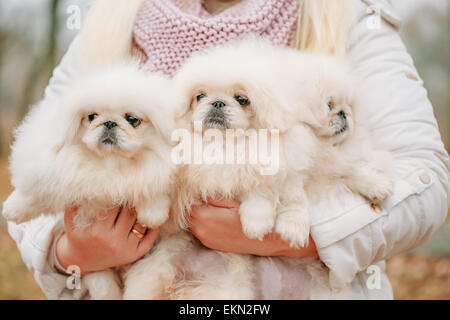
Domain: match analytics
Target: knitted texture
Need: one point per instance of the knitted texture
(167, 32)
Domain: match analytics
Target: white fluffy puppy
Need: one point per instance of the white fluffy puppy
(337, 100)
(345, 159)
(324, 150)
(104, 142)
(231, 90)
(234, 89)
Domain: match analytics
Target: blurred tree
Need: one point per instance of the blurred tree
(426, 36)
(45, 63)
(3, 39)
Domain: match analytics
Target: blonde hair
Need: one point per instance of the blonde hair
(107, 34)
(322, 26)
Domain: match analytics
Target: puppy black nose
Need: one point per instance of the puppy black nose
(218, 104)
(342, 114)
(109, 124)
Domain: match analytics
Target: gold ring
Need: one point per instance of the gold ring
(137, 233)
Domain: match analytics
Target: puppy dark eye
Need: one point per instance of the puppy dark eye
(92, 116)
(200, 96)
(242, 101)
(134, 122)
(330, 104)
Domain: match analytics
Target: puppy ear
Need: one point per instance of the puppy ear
(269, 109)
(184, 105)
(164, 123)
(308, 115)
(309, 104)
(67, 122)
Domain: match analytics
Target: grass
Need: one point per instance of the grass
(413, 276)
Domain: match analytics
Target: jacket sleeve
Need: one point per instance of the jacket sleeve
(354, 237)
(36, 238)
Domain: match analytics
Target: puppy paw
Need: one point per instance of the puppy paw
(153, 219)
(257, 219)
(293, 227)
(155, 214)
(379, 191)
(16, 208)
(257, 229)
(9, 212)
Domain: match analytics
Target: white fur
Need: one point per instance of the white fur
(346, 161)
(290, 91)
(222, 73)
(58, 160)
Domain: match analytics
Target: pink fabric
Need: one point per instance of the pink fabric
(166, 32)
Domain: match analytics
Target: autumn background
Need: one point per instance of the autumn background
(34, 34)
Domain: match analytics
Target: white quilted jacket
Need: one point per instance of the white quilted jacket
(352, 239)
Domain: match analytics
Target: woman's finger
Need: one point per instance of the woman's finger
(137, 231)
(69, 215)
(147, 241)
(223, 202)
(212, 214)
(125, 220)
(108, 217)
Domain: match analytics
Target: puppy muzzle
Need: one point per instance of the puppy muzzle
(340, 123)
(215, 118)
(109, 135)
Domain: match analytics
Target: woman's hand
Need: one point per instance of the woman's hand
(218, 226)
(108, 242)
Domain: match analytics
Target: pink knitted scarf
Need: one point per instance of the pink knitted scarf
(166, 32)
